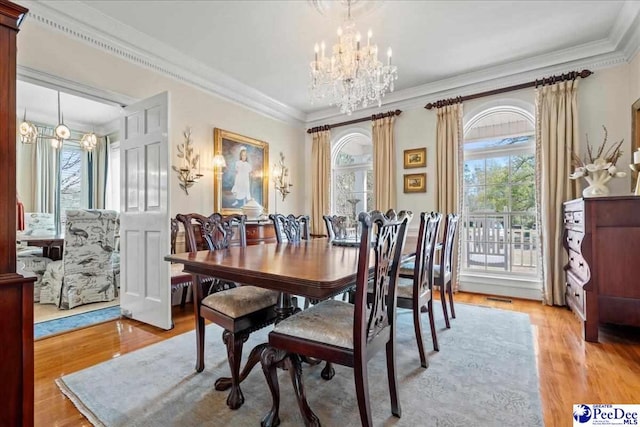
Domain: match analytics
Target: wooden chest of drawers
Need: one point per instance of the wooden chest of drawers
(602, 240)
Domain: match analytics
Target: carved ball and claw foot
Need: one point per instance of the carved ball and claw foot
(328, 372)
(272, 359)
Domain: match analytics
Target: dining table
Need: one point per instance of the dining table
(52, 244)
(315, 269)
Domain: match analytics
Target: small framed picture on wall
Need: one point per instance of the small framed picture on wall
(415, 158)
(415, 183)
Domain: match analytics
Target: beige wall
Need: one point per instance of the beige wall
(53, 52)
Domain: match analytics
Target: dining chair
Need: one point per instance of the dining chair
(442, 271)
(85, 273)
(343, 333)
(336, 226)
(418, 294)
(290, 228)
(239, 310)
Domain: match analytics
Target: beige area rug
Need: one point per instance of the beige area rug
(484, 375)
(44, 312)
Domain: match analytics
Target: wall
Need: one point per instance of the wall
(52, 52)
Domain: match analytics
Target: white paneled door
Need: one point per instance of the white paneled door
(145, 289)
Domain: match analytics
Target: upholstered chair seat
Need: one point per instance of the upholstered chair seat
(328, 322)
(240, 301)
(405, 290)
(406, 269)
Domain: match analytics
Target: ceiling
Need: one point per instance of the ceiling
(41, 105)
(267, 45)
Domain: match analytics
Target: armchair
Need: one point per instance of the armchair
(85, 274)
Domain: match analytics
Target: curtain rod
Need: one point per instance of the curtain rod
(350, 122)
(544, 81)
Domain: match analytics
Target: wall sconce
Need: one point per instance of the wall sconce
(635, 166)
(280, 176)
(189, 170)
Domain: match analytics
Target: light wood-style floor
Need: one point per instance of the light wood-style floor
(571, 370)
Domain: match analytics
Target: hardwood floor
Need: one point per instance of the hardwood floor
(570, 369)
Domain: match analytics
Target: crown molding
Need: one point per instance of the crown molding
(42, 78)
(619, 47)
(136, 47)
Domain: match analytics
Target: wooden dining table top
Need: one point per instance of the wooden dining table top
(313, 268)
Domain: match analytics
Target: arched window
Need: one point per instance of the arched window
(499, 202)
(352, 174)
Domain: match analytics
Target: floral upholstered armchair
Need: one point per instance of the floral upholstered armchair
(85, 274)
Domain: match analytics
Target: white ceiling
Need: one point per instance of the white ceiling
(41, 104)
(267, 45)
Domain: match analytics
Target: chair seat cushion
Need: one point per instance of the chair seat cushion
(329, 322)
(436, 272)
(240, 301)
(406, 269)
(405, 290)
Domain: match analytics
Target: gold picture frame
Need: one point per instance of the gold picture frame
(415, 158)
(415, 183)
(245, 177)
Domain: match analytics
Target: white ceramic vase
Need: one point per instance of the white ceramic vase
(252, 209)
(597, 184)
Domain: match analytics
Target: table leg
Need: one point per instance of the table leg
(272, 359)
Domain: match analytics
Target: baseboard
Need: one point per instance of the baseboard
(504, 290)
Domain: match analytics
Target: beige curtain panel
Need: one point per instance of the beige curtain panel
(556, 139)
(320, 185)
(448, 172)
(449, 156)
(384, 164)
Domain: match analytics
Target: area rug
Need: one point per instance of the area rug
(77, 321)
(484, 375)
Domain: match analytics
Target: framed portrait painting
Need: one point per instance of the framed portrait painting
(245, 176)
(415, 158)
(415, 183)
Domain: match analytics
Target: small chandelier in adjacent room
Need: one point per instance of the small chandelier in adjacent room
(29, 133)
(352, 76)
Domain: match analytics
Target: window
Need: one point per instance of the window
(112, 191)
(352, 180)
(499, 230)
(73, 178)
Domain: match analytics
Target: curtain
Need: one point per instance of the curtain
(97, 161)
(556, 139)
(384, 164)
(45, 170)
(320, 185)
(449, 159)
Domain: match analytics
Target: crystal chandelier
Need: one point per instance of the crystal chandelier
(352, 76)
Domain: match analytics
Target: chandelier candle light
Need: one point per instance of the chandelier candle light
(353, 76)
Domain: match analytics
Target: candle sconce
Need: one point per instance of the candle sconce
(280, 176)
(189, 169)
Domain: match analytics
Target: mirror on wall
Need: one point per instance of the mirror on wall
(635, 137)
